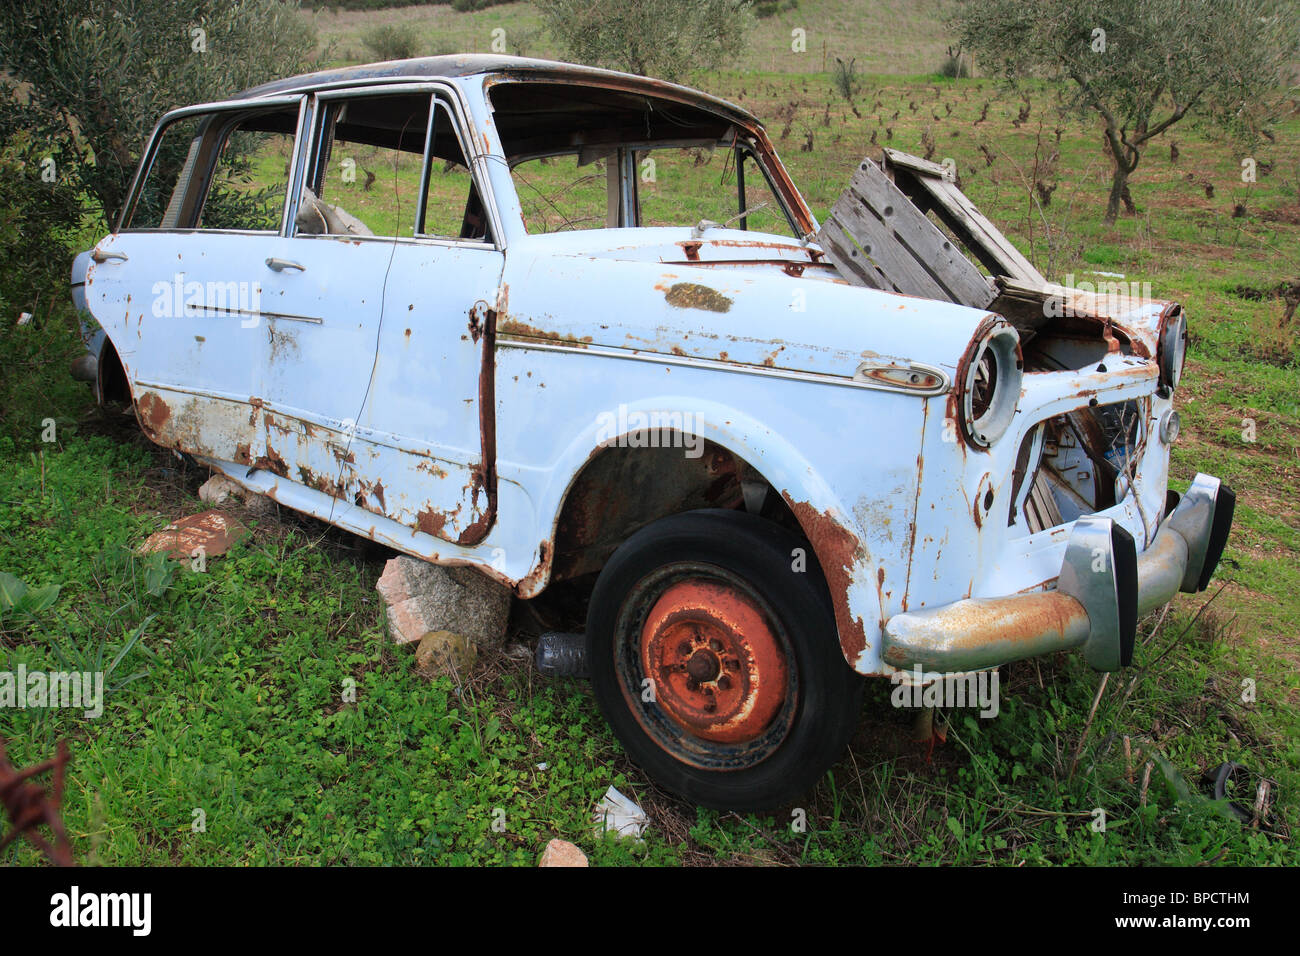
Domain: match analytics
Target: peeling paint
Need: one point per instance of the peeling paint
(689, 295)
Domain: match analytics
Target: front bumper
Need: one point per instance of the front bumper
(1104, 586)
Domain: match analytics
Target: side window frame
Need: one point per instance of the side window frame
(440, 94)
(443, 103)
(204, 183)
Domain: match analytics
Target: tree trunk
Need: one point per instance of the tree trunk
(1125, 160)
(1118, 187)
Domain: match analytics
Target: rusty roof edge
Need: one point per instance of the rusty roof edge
(459, 65)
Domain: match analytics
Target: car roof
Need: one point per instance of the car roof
(507, 67)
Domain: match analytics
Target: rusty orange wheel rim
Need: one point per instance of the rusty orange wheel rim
(719, 671)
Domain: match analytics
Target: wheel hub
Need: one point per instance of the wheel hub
(719, 671)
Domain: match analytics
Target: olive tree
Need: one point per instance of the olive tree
(663, 38)
(1143, 65)
(94, 75)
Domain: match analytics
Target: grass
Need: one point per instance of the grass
(231, 701)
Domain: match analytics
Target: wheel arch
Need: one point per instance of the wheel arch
(112, 384)
(613, 487)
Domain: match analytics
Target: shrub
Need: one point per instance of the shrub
(770, 8)
(391, 42)
(955, 66)
(844, 77)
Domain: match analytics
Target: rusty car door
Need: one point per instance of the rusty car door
(429, 420)
(178, 288)
(373, 378)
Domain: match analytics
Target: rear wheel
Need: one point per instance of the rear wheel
(717, 664)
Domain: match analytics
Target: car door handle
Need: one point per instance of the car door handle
(101, 256)
(279, 265)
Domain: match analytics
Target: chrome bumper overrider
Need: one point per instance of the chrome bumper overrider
(1103, 588)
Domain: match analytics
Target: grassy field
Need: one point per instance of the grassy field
(228, 696)
(883, 36)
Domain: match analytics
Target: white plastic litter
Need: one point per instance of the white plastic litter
(616, 812)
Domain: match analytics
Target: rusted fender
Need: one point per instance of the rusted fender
(854, 542)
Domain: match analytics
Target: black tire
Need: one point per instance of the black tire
(747, 563)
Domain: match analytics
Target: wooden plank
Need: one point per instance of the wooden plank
(844, 253)
(955, 203)
(908, 253)
(896, 157)
(1041, 511)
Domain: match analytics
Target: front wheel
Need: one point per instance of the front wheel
(716, 662)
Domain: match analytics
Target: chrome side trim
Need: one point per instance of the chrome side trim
(505, 341)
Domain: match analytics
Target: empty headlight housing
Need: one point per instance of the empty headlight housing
(1172, 349)
(990, 383)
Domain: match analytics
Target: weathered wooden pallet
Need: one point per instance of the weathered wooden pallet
(877, 237)
(931, 188)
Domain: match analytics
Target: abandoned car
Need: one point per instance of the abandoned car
(551, 321)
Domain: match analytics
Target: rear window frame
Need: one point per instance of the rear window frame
(224, 106)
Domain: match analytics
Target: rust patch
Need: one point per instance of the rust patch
(514, 327)
(319, 482)
(539, 572)
(690, 295)
(692, 250)
(476, 319)
(835, 547)
(243, 454)
(272, 462)
(431, 468)
(152, 413)
(272, 422)
(485, 475)
(431, 522)
(212, 531)
(477, 529)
